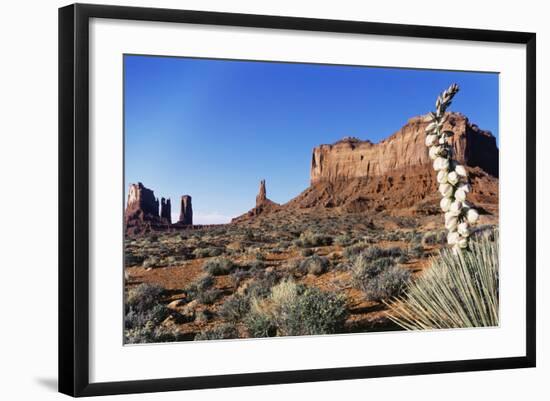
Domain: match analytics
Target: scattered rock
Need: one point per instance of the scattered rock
(177, 303)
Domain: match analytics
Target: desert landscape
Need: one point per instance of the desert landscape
(331, 260)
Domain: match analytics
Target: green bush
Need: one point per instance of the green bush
(218, 266)
(458, 290)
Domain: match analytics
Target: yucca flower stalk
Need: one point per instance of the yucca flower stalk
(451, 176)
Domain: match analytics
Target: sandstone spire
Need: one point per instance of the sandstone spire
(186, 211)
(166, 210)
(262, 195)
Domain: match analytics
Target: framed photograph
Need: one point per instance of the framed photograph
(250, 199)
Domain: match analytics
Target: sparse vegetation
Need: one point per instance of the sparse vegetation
(272, 279)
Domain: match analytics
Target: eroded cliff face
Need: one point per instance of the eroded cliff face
(351, 158)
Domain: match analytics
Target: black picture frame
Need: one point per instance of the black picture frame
(74, 200)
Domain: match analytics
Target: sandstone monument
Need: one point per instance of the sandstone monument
(262, 195)
(263, 205)
(186, 211)
(352, 158)
(142, 209)
(396, 173)
(166, 210)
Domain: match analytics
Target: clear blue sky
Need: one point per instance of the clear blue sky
(213, 128)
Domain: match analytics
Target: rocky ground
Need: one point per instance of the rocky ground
(223, 281)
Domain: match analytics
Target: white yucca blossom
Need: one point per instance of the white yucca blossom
(431, 140)
(472, 216)
(456, 207)
(460, 195)
(451, 176)
(451, 224)
(461, 171)
(442, 177)
(446, 190)
(463, 229)
(445, 204)
(434, 152)
(453, 237)
(441, 163)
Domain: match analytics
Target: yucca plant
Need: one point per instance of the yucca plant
(459, 290)
(452, 177)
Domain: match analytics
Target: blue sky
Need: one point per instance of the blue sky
(213, 128)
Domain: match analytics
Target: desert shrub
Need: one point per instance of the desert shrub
(364, 269)
(152, 261)
(221, 332)
(459, 290)
(209, 296)
(295, 310)
(434, 238)
(315, 312)
(237, 276)
(204, 316)
(402, 259)
(259, 256)
(343, 240)
(261, 286)
(355, 249)
(416, 251)
(259, 325)
(235, 308)
(380, 278)
(256, 265)
(143, 313)
(315, 265)
(199, 285)
(307, 252)
(374, 252)
(309, 239)
(144, 296)
(390, 283)
(207, 252)
(131, 259)
(218, 266)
